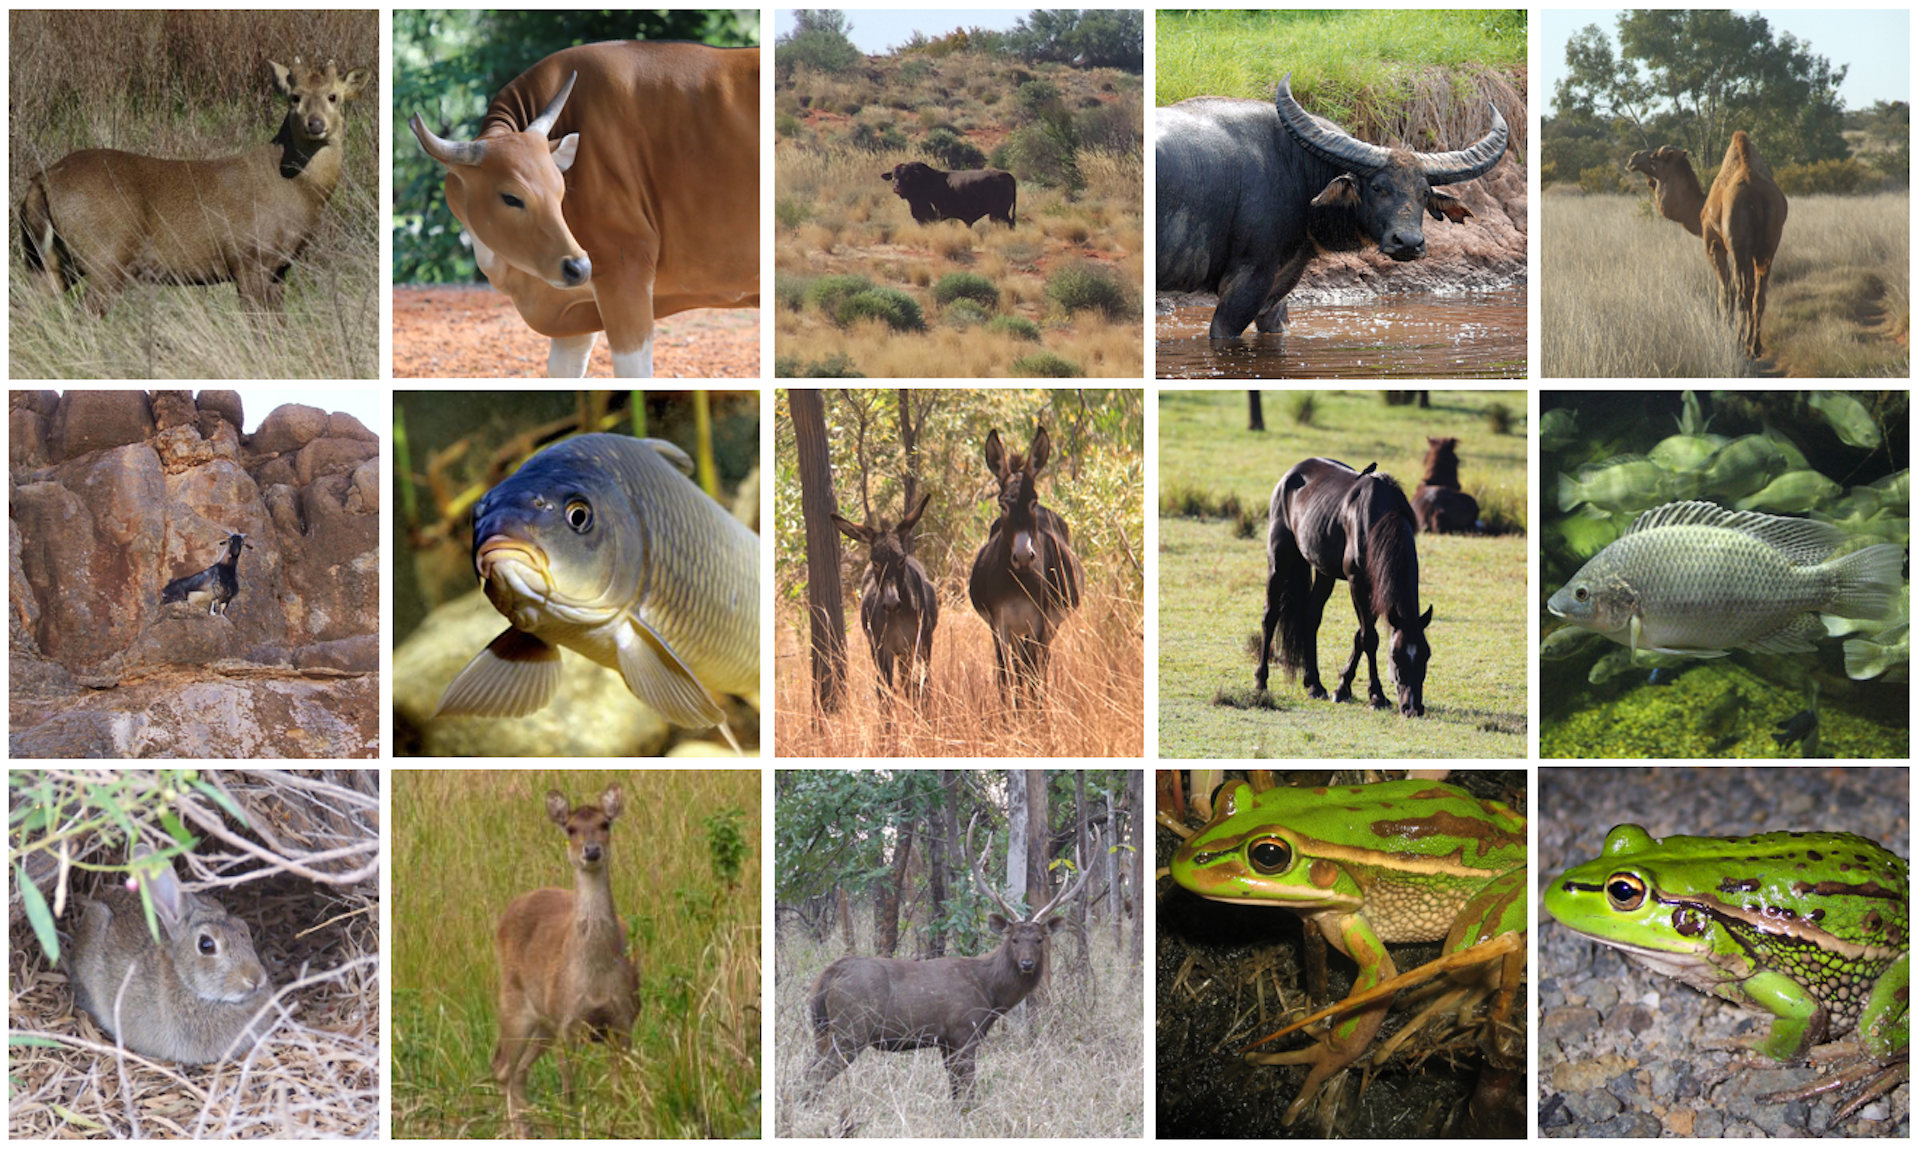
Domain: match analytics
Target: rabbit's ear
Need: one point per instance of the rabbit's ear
(168, 900)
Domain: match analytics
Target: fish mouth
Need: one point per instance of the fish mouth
(515, 562)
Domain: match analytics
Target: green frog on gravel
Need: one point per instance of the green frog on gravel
(1410, 861)
(1809, 927)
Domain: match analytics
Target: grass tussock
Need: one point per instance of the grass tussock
(836, 216)
(1629, 295)
(1094, 701)
(474, 840)
(1086, 1047)
(194, 85)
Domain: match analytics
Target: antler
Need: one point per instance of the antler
(993, 894)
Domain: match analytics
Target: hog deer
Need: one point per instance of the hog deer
(564, 973)
(898, 606)
(115, 217)
(947, 1003)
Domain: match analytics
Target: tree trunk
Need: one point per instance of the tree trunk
(1110, 868)
(827, 619)
(1255, 421)
(886, 910)
(1136, 819)
(936, 844)
(910, 453)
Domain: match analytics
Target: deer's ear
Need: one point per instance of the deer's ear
(1055, 923)
(998, 922)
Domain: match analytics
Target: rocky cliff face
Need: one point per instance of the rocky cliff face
(114, 494)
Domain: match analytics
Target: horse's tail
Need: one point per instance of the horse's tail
(1289, 598)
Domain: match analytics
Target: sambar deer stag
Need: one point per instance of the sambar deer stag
(564, 973)
(115, 217)
(898, 606)
(899, 1004)
(1026, 578)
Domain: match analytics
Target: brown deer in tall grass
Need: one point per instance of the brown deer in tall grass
(947, 1003)
(564, 973)
(116, 217)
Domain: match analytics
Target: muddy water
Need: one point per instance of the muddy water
(1478, 335)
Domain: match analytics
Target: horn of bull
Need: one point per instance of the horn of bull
(1012, 914)
(543, 123)
(1342, 150)
(467, 152)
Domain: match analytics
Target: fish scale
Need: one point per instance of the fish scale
(1696, 579)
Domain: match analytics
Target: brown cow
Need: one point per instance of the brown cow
(644, 203)
(1740, 220)
(932, 194)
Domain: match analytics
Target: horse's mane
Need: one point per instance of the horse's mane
(1391, 558)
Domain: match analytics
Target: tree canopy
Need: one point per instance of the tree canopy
(1693, 77)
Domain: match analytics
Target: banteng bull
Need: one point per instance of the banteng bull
(645, 203)
(116, 217)
(932, 194)
(1246, 191)
(947, 1003)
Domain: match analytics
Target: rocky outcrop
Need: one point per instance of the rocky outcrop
(117, 493)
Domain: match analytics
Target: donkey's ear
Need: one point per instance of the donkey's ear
(913, 517)
(1042, 447)
(857, 532)
(996, 454)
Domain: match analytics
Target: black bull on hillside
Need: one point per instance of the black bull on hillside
(1246, 190)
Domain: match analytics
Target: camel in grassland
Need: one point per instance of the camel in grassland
(1740, 219)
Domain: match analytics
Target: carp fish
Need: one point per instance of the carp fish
(603, 544)
(1698, 580)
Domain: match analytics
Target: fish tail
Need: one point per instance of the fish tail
(1569, 492)
(1862, 662)
(1867, 580)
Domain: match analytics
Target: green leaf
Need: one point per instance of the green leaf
(38, 915)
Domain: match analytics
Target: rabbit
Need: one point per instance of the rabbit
(191, 994)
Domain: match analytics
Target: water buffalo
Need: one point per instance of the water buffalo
(1243, 187)
(965, 196)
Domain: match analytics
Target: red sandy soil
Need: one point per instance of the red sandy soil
(474, 333)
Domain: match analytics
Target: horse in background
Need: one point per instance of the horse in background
(1328, 522)
(1438, 503)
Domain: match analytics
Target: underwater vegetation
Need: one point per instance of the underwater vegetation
(1725, 574)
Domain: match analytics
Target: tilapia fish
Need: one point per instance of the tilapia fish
(1696, 579)
(601, 543)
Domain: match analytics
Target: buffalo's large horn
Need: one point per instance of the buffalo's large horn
(543, 123)
(468, 152)
(1323, 139)
(1455, 167)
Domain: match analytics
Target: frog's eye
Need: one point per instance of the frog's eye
(1625, 891)
(1270, 856)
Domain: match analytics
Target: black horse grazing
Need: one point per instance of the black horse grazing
(1327, 522)
(898, 607)
(1438, 503)
(1027, 578)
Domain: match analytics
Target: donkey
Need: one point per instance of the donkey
(947, 1003)
(1026, 579)
(116, 217)
(564, 973)
(898, 607)
(1439, 504)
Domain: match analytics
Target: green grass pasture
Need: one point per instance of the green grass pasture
(1212, 582)
(467, 843)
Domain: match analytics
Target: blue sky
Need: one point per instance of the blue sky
(877, 30)
(1873, 44)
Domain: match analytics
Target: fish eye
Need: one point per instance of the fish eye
(1580, 594)
(579, 515)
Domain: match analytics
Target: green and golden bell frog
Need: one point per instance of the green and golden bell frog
(1809, 927)
(1411, 861)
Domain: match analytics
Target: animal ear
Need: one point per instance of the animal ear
(356, 82)
(282, 77)
(996, 454)
(1333, 218)
(611, 802)
(558, 808)
(1042, 447)
(1427, 619)
(998, 922)
(854, 531)
(1055, 923)
(1441, 204)
(913, 517)
(565, 149)
(167, 898)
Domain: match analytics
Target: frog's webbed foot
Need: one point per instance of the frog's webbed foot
(1879, 1074)
(1325, 1058)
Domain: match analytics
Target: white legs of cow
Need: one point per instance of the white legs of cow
(634, 364)
(567, 355)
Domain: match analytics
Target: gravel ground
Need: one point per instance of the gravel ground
(1628, 1053)
(474, 333)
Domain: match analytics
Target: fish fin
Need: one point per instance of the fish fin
(672, 454)
(1863, 661)
(1686, 654)
(1569, 492)
(1868, 580)
(659, 678)
(1798, 635)
(515, 675)
(726, 733)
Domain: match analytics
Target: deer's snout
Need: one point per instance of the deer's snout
(591, 852)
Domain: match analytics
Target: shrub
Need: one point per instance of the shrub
(900, 311)
(868, 138)
(827, 293)
(1602, 178)
(1083, 287)
(822, 51)
(950, 151)
(785, 125)
(839, 365)
(1042, 155)
(965, 313)
(789, 291)
(1825, 177)
(967, 285)
(1046, 365)
(1038, 100)
(1019, 327)
(1301, 405)
(790, 213)
(1114, 127)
